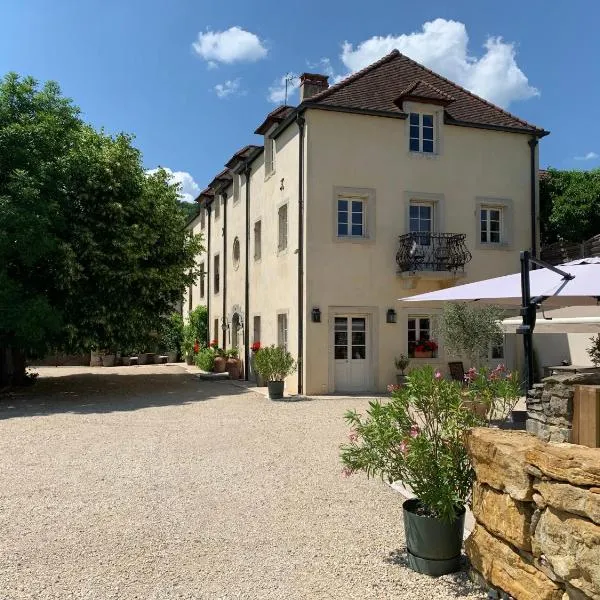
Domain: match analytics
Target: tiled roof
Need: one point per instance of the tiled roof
(422, 89)
(275, 116)
(378, 86)
(241, 155)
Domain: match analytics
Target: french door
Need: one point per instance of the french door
(351, 353)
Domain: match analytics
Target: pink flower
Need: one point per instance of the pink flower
(392, 387)
(402, 447)
(353, 435)
(414, 431)
(438, 374)
(347, 471)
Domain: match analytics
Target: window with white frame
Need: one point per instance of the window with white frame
(257, 240)
(490, 218)
(270, 154)
(420, 217)
(202, 283)
(217, 280)
(282, 238)
(422, 134)
(282, 330)
(419, 336)
(351, 217)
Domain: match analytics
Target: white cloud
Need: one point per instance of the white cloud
(232, 45)
(441, 45)
(230, 88)
(188, 188)
(277, 90)
(588, 156)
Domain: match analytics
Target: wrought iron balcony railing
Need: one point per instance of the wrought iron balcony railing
(432, 252)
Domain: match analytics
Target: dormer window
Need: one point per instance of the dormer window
(422, 135)
(270, 154)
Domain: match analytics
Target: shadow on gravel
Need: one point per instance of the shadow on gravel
(107, 392)
(458, 583)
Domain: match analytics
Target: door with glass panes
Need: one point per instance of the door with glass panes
(351, 353)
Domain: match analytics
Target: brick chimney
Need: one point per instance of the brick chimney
(311, 84)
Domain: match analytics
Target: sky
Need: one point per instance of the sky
(192, 79)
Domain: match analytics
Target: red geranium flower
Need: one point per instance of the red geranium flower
(255, 347)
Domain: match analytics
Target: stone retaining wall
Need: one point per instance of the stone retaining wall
(550, 405)
(537, 512)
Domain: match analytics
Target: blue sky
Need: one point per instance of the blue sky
(192, 79)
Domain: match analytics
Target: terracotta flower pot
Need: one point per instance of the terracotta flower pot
(423, 353)
(232, 366)
(220, 364)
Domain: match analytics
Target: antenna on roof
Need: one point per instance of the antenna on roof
(289, 78)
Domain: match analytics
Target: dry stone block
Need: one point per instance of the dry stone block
(568, 498)
(572, 547)
(498, 457)
(503, 516)
(503, 567)
(576, 464)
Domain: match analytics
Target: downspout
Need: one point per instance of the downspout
(224, 285)
(533, 142)
(247, 171)
(207, 278)
(301, 122)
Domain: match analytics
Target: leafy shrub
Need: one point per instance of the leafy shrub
(417, 438)
(198, 320)
(274, 363)
(205, 359)
(172, 333)
(594, 350)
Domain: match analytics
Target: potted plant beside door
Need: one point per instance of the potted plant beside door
(417, 438)
(274, 364)
(401, 363)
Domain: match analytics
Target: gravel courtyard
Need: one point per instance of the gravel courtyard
(144, 482)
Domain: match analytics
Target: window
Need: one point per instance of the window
(202, 275)
(190, 299)
(216, 274)
(217, 207)
(491, 225)
(216, 330)
(271, 151)
(257, 240)
(256, 329)
(283, 227)
(202, 218)
(351, 217)
(236, 253)
(282, 330)
(421, 133)
(236, 187)
(419, 330)
(421, 221)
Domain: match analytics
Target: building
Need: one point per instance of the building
(393, 182)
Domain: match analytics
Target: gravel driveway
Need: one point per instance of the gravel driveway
(143, 482)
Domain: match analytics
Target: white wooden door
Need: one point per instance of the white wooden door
(351, 353)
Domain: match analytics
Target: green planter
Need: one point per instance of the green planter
(275, 389)
(434, 546)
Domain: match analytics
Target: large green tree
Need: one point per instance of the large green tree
(569, 205)
(93, 251)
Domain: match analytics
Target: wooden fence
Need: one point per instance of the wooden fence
(562, 252)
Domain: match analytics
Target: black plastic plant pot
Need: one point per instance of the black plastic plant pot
(275, 389)
(434, 546)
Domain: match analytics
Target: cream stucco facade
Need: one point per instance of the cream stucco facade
(354, 281)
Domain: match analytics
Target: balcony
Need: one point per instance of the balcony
(439, 254)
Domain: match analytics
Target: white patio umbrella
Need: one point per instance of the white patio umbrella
(582, 289)
(574, 283)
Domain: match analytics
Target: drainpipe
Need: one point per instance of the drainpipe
(533, 142)
(224, 283)
(247, 171)
(301, 122)
(207, 276)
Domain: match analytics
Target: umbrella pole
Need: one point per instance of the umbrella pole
(528, 318)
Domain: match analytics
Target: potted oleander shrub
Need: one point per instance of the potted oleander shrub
(274, 364)
(417, 438)
(220, 358)
(401, 363)
(205, 359)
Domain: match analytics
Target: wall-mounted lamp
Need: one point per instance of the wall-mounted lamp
(390, 316)
(316, 315)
